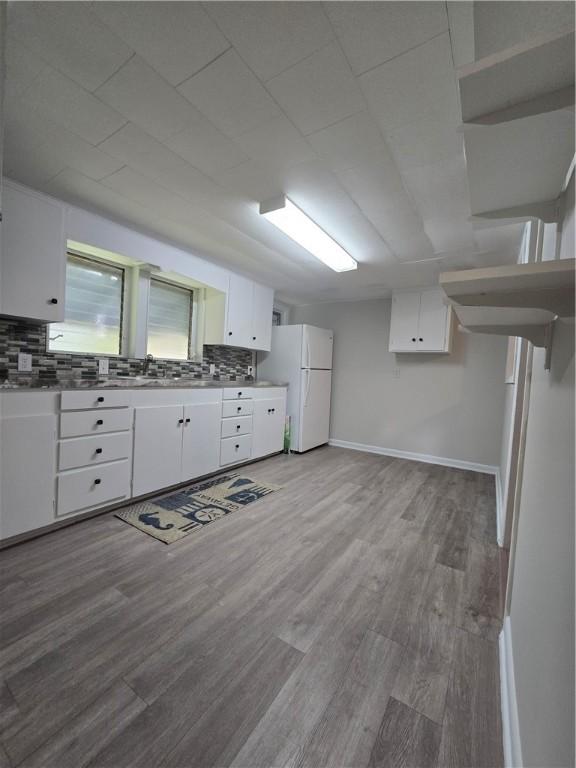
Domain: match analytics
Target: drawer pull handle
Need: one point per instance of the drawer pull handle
(53, 301)
(187, 421)
(98, 450)
(239, 394)
(100, 399)
(180, 421)
(238, 426)
(97, 481)
(239, 408)
(236, 446)
(99, 422)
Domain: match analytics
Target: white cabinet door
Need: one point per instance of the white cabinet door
(28, 473)
(238, 331)
(201, 439)
(157, 447)
(433, 322)
(33, 256)
(404, 322)
(262, 306)
(268, 426)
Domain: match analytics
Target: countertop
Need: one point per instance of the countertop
(134, 382)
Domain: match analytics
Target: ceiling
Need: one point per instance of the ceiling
(178, 118)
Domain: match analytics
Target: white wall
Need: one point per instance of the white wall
(542, 600)
(448, 406)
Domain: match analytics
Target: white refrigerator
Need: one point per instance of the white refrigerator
(301, 355)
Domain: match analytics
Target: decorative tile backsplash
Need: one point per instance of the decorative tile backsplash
(21, 336)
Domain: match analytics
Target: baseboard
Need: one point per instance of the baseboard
(499, 509)
(508, 705)
(487, 469)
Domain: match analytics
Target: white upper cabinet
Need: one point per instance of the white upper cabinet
(420, 322)
(239, 312)
(33, 256)
(243, 317)
(262, 306)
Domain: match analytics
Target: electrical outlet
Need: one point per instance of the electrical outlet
(103, 366)
(212, 369)
(250, 370)
(24, 362)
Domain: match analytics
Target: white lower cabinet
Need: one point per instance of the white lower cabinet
(268, 426)
(201, 440)
(235, 449)
(89, 487)
(175, 443)
(27, 473)
(157, 447)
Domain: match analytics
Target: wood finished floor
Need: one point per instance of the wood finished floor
(349, 620)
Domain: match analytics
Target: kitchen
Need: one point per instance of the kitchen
(304, 266)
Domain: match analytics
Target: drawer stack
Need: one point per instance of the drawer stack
(236, 432)
(94, 449)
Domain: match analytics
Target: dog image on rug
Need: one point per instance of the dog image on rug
(174, 516)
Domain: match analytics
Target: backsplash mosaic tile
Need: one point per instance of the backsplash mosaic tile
(22, 336)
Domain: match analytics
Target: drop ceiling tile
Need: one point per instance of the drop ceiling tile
(317, 190)
(272, 36)
(28, 161)
(22, 68)
(229, 95)
(205, 147)
(416, 85)
(249, 181)
(319, 91)
(372, 33)
(191, 184)
(376, 183)
(134, 147)
(70, 38)
(424, 142)
(60, 100)
(145, 98)
(276, 144)
(348, 143)
(176, 38)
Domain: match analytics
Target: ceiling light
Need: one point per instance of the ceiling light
(295, 223)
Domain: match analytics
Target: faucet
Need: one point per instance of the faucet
(146, 364)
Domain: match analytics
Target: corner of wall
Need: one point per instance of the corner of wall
(508, 702)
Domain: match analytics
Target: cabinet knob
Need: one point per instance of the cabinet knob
(180, 421)
(187, 421)
(273, 410)
(229, 333)
(99, 422)
(98, 450)
(53, 301)
(414, 339)
(97, 481)
(420, 339)
(239, 394)
(253, 338)
(238, 426)
(239, 408)
(236, 446)
(100, 399)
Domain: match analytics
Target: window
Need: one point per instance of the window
(276, 317)
(93, 313)
(169, 321)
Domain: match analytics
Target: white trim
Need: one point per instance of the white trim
(508, 701)
(487, 469)
(499, 509)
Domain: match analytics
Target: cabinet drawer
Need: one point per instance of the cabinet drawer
(241, 426)
(236, 408)
(91, 487)
(84, 451)
(242, 393)
(94, 398)
(77, 423)
(235, 449)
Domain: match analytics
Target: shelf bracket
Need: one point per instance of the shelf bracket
(546, 210)
(548, 341)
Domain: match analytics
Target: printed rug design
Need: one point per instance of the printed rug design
(174, 516)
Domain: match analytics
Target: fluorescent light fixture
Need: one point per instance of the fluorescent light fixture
(295, 223)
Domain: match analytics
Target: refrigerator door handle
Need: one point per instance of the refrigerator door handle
(307, 388)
